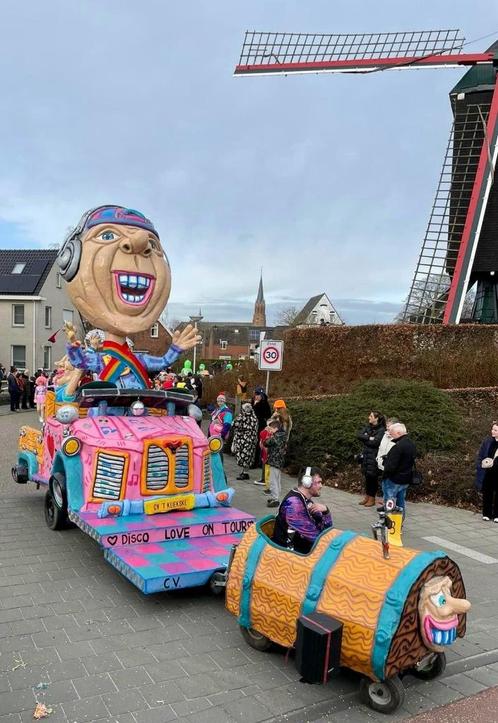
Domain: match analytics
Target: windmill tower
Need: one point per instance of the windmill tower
(460, 247)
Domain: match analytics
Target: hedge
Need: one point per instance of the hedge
(324, 432)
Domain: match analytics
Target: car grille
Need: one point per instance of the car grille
(206, 472)
(157, 468)
(109, 476)
(182, 471)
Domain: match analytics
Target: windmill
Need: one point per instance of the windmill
(460, 247)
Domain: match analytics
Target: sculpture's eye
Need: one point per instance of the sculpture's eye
(439, 600)
(108, 236)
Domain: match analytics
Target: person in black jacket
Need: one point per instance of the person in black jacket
(487, 475)
(371, 436)
(14, 390)
(262, 410)
(398, 466)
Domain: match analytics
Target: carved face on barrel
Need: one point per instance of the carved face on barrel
(438, 613)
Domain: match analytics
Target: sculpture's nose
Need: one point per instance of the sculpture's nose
(459, 605)
(136, 242)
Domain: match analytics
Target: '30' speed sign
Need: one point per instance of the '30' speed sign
(271, 355)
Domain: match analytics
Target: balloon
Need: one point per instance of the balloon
(229, 367)
(187, 368)
(194, 412)
(202, 366)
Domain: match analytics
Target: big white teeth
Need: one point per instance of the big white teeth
(444, 637)
(131, 281)
(134, 299)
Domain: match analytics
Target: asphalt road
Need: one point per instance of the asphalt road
(81, 639)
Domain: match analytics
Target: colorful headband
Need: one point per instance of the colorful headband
(119, 215)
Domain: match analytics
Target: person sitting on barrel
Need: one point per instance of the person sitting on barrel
(301, 515)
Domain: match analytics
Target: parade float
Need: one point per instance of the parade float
(127, 464)
(379, 615)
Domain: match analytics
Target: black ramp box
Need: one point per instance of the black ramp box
(318, 646)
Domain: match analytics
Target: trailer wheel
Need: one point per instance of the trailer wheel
(20, 474)
(54, 516)
(217, 583)
(433, 668)
(256, 640)
(385, 696)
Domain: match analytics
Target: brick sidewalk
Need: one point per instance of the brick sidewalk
(76, 635)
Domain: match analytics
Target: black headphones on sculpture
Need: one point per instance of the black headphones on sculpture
(307, 479)
(69, 257)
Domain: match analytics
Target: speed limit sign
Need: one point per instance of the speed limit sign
(271, 355)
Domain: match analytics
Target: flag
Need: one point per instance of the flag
(51, 339)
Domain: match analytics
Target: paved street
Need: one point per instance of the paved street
(77, 636)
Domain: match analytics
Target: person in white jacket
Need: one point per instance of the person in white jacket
(385, 443)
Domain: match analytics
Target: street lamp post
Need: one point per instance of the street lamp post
(195, 319)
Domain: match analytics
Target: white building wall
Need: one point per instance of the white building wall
(34, 335)
(58, 299)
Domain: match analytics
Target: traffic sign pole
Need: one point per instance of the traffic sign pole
(267, 381)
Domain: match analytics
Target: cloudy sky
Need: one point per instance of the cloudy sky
(325, 181)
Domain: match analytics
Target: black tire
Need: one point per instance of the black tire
(217, 590)
(54, 516)
(433, 669)
(57, 486)
(385, 696)
(256, 640)
(20, 474)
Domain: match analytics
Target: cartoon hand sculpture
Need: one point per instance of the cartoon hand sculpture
(187, 338)
(70, 332)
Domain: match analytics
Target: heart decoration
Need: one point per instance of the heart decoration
(112, 539)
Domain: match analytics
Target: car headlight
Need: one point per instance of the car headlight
(71, 446)
(215, 444)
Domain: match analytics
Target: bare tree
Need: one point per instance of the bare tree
(287, 316)
(425, 292)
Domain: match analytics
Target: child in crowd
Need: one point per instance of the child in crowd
(276, 443)
(41, 384)
(263, 436)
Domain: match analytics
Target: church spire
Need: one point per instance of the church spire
(259, 317)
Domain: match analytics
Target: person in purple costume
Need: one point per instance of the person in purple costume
(301, 514)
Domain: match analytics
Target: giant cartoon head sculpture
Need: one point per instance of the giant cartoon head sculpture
(117, 272)
(438, 613)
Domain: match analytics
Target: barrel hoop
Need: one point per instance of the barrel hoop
(322, 568)
(252, 561)
(392, 607)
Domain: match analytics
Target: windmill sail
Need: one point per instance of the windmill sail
(267, 53)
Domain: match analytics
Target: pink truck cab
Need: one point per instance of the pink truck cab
(141, 478)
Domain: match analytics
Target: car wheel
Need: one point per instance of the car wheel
(384, 696)
(217, 583)
(256, 640)
(20, 474)
(433, 668)
(54, 517)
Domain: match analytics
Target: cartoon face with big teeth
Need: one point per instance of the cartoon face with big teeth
(124, 280)
(438, 613)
